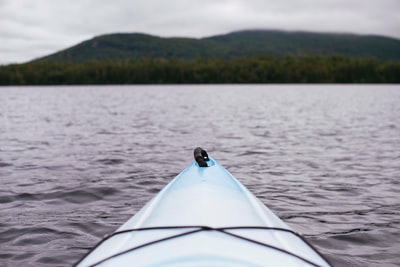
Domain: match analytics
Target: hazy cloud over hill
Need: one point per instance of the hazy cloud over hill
(30, 29)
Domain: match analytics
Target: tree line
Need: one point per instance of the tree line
(310, 69)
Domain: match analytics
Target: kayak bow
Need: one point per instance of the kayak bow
(204, 217)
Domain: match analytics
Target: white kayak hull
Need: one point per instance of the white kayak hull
(204, 217)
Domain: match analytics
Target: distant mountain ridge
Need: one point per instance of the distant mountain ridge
(247, 43)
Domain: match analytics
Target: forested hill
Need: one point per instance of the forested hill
(238, 57)
(251, 43)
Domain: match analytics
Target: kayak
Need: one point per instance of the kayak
(204, 217)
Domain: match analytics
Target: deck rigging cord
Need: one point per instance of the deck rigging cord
(200, 228)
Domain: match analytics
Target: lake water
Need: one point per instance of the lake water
(77, 162)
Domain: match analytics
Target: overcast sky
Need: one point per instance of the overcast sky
(34, 28)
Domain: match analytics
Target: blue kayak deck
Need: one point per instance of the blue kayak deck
(213, 198)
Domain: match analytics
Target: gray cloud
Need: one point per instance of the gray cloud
(30, 28)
